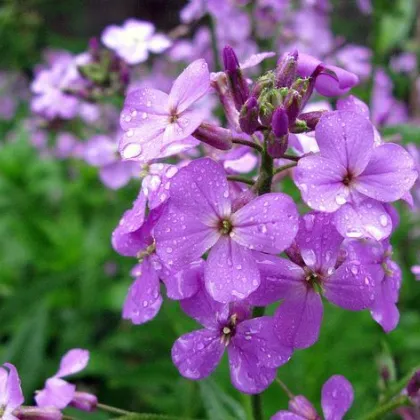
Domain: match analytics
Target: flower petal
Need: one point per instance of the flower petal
(247, 373)
(184, 283)
(201, 189)
(256, 336)
(191, 85)
(181, 238)
(231, 273)
(298, 318)
(368, 219)
(337, 397)
(12, 395)
(387, 179)
(205, 310)
(73, 361)
(347, 138)
(318, 241)
(143, 300)
(150, 101)
(183, 126)
(320, 182)
(278, 277)
(197, 354)
(352, 285)
(286, 415)
(57, 393)
(268, 223)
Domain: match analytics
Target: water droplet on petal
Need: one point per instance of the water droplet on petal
(383, 220)
(131, 151)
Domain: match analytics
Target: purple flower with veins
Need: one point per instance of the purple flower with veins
(11, 396)
(377, 256)
(336, 399)
(59, 393)
(199, 217)
(134, 40)
(133, 237)
(314, 270)
(254, 352)
(352, 177)
(336, 81)
(101, 151)
(157, 125)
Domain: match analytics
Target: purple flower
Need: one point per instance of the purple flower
(353, 176)
(377, 255)
(336, 399)
(199, 218)
(404, 63)
(59, 393)
(101, 151)
(157, 125)
(254, 352)
(313, 271)
(134, 40)
(415, 269)
(11, 396)
(332, 81)
(133, 237)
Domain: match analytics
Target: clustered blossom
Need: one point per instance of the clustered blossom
(209, 227)
(215, 244)
(57, 394)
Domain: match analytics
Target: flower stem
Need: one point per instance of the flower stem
(379, 412)
(285, 389)
(256, 402)
(216, 57)
(291, 157)
(239, 178)
(113, 410)
(265, 177)
(247, 143)
(284, 167)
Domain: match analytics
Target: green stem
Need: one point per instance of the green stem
(284, 167)
(291, 157)
(285, 389)
(216, 56)
(247, 143)
(113, 410)
(265, 177)
(379, 412)
(256, 402)
(239, 178)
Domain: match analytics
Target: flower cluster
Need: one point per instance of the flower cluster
(213, 235)
(57, 394)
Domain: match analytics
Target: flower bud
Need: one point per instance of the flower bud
(293, 105)
(84, 401)
(37, 413)
(248, 118)
(220, 84)
(413, 386)
(265, 82)
(214, 136)
(311, 118)
(277, 146)
(280, 122)
(237, 82)
(286, 70)
(302, 407)
(94, 49)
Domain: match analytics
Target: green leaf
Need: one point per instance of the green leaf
(218, 404)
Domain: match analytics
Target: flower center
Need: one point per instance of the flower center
(225, 227)
(2, 410)
(146, 252)
(229, 330)
(347, 179)
(313, 280)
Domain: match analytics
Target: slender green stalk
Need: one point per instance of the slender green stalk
(285, 389)
(214, 44)
(265, 177)
(239, 178)
(247, 143)
(291, 157)
(379, 412)
(113, 410)
(284, 167)
(256, 402)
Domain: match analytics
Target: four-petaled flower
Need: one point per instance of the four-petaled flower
(254, 351)
(199, 217)
(156, 124)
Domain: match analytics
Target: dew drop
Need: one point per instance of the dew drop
(131, 151)
(383, 220)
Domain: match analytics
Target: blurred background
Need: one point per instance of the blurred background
(61, 284)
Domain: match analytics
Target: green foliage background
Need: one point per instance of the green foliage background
(56, 219)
